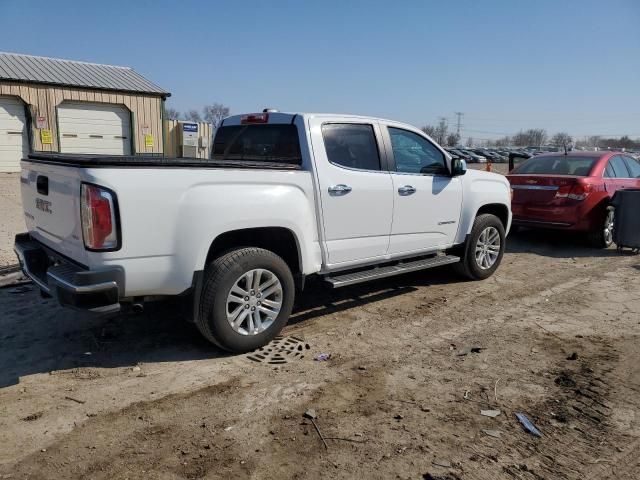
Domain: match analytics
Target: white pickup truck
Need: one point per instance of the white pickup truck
(285, 196)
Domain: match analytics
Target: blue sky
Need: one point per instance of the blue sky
(512, 64)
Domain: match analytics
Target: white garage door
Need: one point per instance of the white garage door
(14, 143)
(94, 128)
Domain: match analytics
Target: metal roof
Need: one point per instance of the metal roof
(56, 71)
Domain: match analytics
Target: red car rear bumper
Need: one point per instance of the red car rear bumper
(581, 217)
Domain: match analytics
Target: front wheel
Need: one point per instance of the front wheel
(247, 298)
(484, 248)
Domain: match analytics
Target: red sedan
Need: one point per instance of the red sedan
(572, 191)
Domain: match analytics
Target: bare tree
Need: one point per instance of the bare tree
(534, 137)
(171, 114)
(429, 130)
(503, 142)
(215, 113)
(453, 139)
(594, 141)
(470, 142)
(193, 116)
(561, 139)
(441, 132)
(537, 136)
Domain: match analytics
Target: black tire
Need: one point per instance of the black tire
(468, 266)
(220, 276)
(599, 238)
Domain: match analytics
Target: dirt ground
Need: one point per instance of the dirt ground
(414, 360)
(11, 217)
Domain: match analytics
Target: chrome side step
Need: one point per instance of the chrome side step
(389, 270)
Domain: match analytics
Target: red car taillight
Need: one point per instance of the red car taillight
(578, 191)
(98, 212)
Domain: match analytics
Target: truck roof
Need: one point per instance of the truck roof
(287, 117)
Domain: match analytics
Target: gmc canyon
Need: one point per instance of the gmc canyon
(285, 196)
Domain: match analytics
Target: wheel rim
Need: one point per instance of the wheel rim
(488, 248)
(608, 228)
(254, 302)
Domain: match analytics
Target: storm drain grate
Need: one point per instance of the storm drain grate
(280, 350)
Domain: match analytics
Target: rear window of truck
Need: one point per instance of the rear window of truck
(258, 143)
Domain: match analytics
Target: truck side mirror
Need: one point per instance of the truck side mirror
(458, 167)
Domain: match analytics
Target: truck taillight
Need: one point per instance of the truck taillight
(99, 223)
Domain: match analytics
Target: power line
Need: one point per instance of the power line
(459, 124)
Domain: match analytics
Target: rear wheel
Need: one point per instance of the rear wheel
(603, 236)
(483, 251)
(246, 299)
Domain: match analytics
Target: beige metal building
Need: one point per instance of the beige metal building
(54, 105)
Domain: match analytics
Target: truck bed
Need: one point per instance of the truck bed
(141, 161)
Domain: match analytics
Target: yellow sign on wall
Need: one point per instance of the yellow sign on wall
(45, 137)
(148, 141)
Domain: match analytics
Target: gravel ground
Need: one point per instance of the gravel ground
(12, 220)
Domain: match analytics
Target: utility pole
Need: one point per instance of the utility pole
(459, 123)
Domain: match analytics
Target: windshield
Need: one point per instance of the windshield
(556, 165)
(262, 143)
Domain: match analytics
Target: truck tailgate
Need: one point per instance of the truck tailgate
(51, 203)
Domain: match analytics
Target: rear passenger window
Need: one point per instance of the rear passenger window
(634, 166)
(351, 145)
(619, 168)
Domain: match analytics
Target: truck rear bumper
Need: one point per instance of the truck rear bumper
(72, 284)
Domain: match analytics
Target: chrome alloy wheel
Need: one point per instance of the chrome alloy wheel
(254, 302)
(487, 248)
(608, 228)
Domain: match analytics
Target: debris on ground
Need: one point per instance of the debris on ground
(528, 426)
(32, 417)
(493, 433)
(467, 350)
(82, 402)
(322, 357)
(398, 417)
(310, 414)
(573, 356)
(565, 380)
(442, 463)
(490, 413)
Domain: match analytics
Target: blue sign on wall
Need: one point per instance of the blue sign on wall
(189, 127)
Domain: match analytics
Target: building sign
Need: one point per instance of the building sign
(148, 141)
(146, 130)
(189, 134)
(45, 137)
(41, 122)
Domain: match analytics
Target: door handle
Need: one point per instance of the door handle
(340, 189)
(406, 190)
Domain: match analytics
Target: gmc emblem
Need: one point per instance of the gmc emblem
(43, 205)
